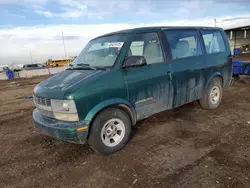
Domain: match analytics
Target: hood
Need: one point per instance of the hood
(58, 85)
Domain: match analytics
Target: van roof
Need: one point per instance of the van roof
(148, 29)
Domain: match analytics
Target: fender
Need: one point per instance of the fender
(116, 101)
(211, 77)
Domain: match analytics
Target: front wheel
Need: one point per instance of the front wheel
(212, 97)
(110, 131)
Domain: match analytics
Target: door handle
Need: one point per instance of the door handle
(169, 76)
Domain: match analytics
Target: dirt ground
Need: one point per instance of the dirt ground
(185, 147)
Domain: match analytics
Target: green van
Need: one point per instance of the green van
(123, 77)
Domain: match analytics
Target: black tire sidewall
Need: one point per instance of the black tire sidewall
(95, 140)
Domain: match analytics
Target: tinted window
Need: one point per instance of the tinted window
(214, 41)
(183, 43)
(147, 45)
(31, 65)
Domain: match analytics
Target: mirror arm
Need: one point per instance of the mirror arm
(123, 64)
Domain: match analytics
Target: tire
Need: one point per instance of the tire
(236, 77)
(110, 125)
(212, 97)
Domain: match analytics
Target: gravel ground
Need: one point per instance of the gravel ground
(184, 147)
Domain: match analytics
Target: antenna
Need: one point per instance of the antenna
(31, 58)
(64, 45)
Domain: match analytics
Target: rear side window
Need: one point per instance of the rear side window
(214, 41)
(183, 43)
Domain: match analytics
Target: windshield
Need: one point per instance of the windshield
(101, 52)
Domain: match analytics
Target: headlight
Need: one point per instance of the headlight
(66, 117)
(64, 110)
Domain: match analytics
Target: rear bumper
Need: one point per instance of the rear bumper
(69, 131)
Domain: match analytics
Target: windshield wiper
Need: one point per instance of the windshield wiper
(82, 65)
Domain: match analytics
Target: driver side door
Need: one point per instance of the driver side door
(149, 87)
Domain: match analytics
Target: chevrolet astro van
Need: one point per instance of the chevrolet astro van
(123, 77)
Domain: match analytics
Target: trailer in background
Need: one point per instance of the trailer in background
(240, 68)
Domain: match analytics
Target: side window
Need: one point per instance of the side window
(214, 41)
(147, 45)
(183, 43)
(137, 48)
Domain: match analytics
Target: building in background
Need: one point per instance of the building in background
(239, 39)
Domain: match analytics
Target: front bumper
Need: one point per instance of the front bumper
(69, 131)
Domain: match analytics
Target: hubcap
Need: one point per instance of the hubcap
(113, 132)
(215, 95)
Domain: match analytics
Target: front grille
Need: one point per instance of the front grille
(44, 106)
(42, 101)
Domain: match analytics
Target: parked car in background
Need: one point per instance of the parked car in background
(33, 66)
(123, 77)
(3, 68)
(15, 68)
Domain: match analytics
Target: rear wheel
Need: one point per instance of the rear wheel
(236, 77)
(110, 131)
(212, 97)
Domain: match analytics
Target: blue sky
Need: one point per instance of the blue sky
(50, 12)
(35, 26)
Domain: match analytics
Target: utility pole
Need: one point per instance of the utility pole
(64, 45)
(215, 22)
(31, 61)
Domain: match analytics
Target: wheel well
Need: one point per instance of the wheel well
(209, 82)
(129, 112)
(221, 78)
(122, 107)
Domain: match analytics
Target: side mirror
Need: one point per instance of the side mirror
(134, 61)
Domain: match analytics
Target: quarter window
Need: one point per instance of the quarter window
(183, 43)
(214, 41)
(147, 45)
